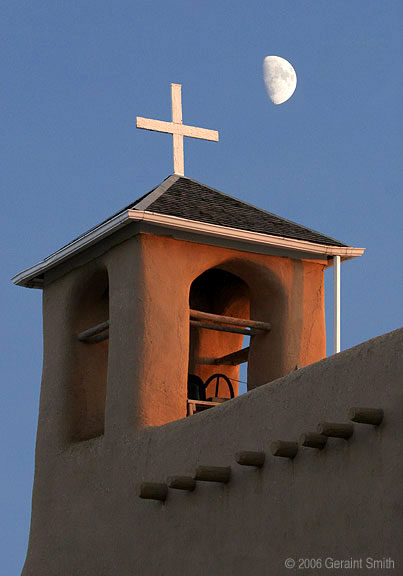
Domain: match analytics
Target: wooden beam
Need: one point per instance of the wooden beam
(199, 405)
(177, 129)
(153, 491)
(213, 474)
(284, 449)
(98, 338)
(176, 99)
(233, 321)
(220, 328)
(336, 429)
(233, 359)
(174, 128)
(313, 440)
(372, 416)
(93, 331)
(181, 483)
(250, 458)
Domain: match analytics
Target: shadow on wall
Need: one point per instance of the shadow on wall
(89, 358)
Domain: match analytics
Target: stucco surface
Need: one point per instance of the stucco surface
(150, 278)
(342, 502)
(288, 293)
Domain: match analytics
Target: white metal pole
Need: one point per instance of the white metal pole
(336, 304)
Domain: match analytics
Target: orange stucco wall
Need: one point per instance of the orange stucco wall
(150, 278)
(288, 293)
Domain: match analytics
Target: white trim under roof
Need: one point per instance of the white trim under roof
(30, 277)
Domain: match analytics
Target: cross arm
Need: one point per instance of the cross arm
(174, 128)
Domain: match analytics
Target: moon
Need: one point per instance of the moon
(280, 79)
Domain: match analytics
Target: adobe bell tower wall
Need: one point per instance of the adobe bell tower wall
(138, 378)
(287, 293)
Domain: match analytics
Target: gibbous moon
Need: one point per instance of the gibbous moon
(280, 79)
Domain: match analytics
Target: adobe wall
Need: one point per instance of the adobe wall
(285, 292)
(149, 283)
(340, 503)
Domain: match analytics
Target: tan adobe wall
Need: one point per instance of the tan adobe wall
(341, 502)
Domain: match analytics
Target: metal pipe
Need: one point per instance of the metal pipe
(336, 304)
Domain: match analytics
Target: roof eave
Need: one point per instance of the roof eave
(32, 277)
(346, 252)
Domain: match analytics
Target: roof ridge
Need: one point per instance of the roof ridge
(145, 201)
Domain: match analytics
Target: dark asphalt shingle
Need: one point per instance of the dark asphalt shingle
(191, 200)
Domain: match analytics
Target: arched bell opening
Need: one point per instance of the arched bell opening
(90, 330)
(271, 350)
(260, 335)
(219, 313)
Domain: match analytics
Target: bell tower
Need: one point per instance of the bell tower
(145, 317)
(165, 292)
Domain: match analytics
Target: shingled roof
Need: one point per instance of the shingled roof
(185, 198)
(180, 203)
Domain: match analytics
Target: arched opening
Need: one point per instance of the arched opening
(271, 351)
(215, 340)
(256, 334)
(91, 333)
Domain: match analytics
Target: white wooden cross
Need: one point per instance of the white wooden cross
(177, 129)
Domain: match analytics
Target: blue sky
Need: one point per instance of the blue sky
(74, 76)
